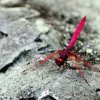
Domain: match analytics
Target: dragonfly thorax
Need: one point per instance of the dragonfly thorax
(59, 61)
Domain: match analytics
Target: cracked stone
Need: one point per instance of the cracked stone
(19, 39)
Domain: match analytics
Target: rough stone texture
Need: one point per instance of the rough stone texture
(10, 3)
(69, 8)
(31, 29)
(8, 15)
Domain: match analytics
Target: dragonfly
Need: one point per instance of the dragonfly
(68, 54)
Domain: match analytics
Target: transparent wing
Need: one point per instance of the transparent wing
(80, 72)
(78, 58)
(50, 56)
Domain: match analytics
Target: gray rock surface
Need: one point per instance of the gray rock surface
(32, 29)
(8, 15)
(10, 3)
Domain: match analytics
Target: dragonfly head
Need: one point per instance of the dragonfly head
(59, 61)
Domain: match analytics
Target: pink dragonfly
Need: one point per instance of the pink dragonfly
(68, 54)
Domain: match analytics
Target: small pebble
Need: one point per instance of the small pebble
(97, 59)
(88, 50)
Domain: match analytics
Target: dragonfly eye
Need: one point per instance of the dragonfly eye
(59, 61)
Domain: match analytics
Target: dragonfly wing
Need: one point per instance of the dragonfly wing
(80, 72)
(77, 32)
(78, 58)
(50, 56)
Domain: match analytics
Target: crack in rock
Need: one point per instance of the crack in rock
(2, 35)
(5, 68)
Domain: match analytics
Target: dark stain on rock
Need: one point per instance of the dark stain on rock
(31, 98)
(48, 97)
(44, 48)
(37, 39)
(2, 34)
(97, 90)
